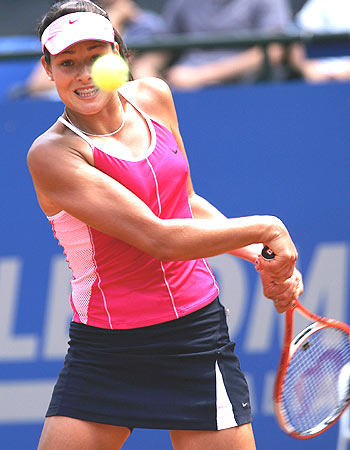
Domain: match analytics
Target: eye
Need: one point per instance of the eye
(95, 57)
(67, 63)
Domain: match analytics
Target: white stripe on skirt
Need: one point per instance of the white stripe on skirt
(225, 417)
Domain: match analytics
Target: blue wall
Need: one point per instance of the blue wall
(267, 149)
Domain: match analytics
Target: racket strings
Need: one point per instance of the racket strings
(315, 389)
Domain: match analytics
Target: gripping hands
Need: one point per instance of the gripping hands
(281, 281)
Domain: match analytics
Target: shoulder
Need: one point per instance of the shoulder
(41, 147)
(153, 96)
(53, 145)
(147, 89)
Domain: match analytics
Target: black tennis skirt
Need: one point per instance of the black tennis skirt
(181, 374)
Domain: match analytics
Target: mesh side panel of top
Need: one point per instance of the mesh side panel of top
(74, 236)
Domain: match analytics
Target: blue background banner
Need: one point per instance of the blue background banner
(265, 149)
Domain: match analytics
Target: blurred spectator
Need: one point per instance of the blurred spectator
(130, 20)
(325, 16)
(196, 68)
(296, 6)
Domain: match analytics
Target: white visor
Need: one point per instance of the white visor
(76, 27)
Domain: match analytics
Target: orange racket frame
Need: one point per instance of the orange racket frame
(286, 355)
(289, 347)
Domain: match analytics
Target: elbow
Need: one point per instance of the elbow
(164, 252)
(165, 247)
(165, 242)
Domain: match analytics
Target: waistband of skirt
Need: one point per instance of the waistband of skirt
(203, 322)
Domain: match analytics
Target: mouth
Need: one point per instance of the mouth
(86, 92)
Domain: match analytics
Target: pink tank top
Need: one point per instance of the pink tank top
(115, 285)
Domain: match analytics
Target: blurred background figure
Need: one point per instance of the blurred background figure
(196, 68)
(325, 16)
(132, 21)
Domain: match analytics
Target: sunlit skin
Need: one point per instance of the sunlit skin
(71, 72)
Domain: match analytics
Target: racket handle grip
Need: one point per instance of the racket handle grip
(267, 253)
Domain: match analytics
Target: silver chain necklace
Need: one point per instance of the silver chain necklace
(101, 135)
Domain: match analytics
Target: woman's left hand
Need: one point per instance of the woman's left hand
(283, 294)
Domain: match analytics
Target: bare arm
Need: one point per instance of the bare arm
(88, 194)
(202, 209)
(189, 77)
(285, 293)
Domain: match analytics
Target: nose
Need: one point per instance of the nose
(84, 73)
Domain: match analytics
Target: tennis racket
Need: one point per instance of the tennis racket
(312, 385)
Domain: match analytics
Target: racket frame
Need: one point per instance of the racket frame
(290, 346)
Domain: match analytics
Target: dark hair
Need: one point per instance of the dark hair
(63, 7)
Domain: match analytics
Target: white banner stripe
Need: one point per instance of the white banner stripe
(24, 401)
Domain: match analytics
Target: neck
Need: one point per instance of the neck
(121, 122)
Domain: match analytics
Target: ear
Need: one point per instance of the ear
(47, 68)
(116, 48)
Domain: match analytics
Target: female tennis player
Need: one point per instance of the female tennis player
(149, 345)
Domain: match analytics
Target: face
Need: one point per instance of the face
(71, 72)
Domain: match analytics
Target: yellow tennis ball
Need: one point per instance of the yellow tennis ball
(109, 72)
